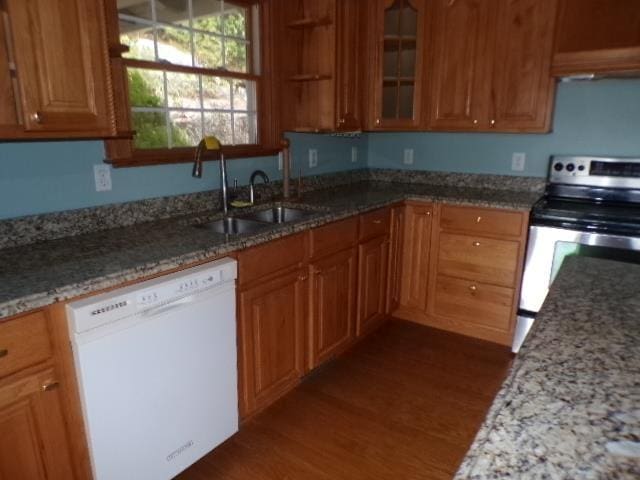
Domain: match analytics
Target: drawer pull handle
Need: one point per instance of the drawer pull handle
(377, 222)
(4, 352)
(478, 220)
(47, 387)
(473, 288)
(302, 278)
(476, 244)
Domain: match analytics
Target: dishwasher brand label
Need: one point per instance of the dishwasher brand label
(173, 455)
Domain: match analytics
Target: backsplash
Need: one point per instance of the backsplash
(37, 228)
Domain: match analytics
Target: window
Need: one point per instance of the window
(191, 68)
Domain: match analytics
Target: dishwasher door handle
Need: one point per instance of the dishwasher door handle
(168, 307)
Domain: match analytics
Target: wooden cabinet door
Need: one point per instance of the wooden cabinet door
(415, 258)
(348, 58)
(395, 258)
(333, 305)
(523, 88)
(33, 443)
(61, 61)
(372, 283)
(459, 87)
(271, 332)
(9, 123)
(397, 35)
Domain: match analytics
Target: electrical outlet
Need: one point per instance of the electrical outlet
(102, 175)
(354, 154)
(313, 158)
(408, 156)
(280, 161)
(518, 161)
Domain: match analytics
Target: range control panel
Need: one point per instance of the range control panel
(596, 171)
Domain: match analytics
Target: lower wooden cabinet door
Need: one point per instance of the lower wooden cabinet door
(415, 260)
(372, 283)
(33, 436)
(271, 340)
(395, 257)
(333, 305)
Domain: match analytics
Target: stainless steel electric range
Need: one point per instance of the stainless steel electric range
(591, 207)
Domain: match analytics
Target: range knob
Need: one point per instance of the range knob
(571, 167)
(558, 167)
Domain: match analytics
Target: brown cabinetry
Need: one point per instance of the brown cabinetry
(490, 65)
(333, 305)
(372, 283)
(396, 248)
(396, 44)
(34, 443)
(57, 70)
(475, 271)
(320, 44)
(597, 36)
(418, 221)
(271, 347)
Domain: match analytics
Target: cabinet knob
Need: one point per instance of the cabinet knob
(478, 220)
(377, 222)
(377, 121)
(36, 117)
(428, 214)
(47, 387)
(3, 352)
(475, 121)
(473, 288)
(476, 244)
(492, 123)
(302, 278)
(342, 121)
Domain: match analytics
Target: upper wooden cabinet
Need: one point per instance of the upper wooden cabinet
(57, 70)
(396, 39)
(320, 42)
(597, 36)
(490, 65)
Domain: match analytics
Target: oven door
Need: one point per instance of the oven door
(549, 246)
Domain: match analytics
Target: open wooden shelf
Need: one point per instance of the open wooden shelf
(309, 77)
(311, 22)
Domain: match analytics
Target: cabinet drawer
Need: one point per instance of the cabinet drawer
(24, 341)
(474, 302)
(263, 260)
(482, 220)
(374, 224)
(334, 237)
(478, 258)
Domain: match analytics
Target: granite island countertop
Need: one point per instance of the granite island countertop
(574, 389)
(42, 273)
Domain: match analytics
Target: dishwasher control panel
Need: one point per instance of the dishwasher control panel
(106, 308)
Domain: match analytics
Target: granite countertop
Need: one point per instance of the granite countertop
(574, 389)
(45, 272)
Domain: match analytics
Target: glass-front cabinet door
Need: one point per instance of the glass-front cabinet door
(398, 36)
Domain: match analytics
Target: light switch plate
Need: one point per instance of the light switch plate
(102, 175)
(313, 158)
(408, 156)
(518, 161)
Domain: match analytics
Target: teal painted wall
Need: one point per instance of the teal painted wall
(42, 177)
(600, 117)
(597, 117)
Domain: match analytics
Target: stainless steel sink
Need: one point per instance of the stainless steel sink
(280, 215)
(234, 226)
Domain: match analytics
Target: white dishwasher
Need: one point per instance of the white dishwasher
(157, 370)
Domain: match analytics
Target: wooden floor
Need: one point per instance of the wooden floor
(404, 404)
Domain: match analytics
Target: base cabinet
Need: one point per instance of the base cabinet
(271, 345)
(33, 444)
(333, 305)
(396, 249)
(372, 283)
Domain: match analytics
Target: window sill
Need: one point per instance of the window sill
(141, 158)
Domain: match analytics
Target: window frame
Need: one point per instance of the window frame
(121, 152)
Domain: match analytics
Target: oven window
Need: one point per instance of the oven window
(566, 249)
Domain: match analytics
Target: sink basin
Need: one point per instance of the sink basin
(233, 226)
(280, 215)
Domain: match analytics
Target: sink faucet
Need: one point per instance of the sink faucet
(212, 143)
(265, 179)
